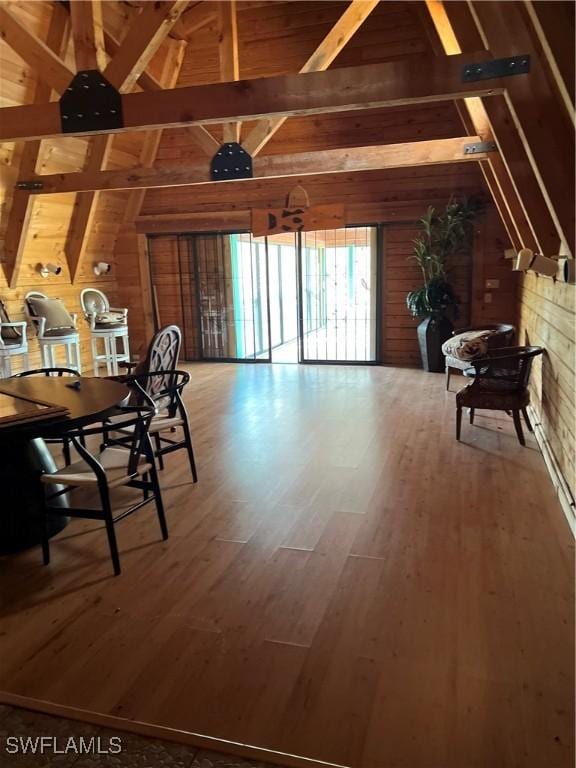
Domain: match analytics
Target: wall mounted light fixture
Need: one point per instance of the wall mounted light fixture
(45, 270)
(526, 260)
(102, 268)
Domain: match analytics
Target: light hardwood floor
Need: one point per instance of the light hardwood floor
(346, 582)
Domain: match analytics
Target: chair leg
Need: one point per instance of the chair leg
(66, 451)
(146, 490)
(190, 449)
(471, 415)
(518, 426)
(458, 422)
(527, 420)
(158, 499)
(78, 356)
(107, 510)
(94, 345)
(447, 378)
(158, 445)
(5, 367)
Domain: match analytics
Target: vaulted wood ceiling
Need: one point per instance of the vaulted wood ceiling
(149, 46)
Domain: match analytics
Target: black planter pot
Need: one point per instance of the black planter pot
(432, 333)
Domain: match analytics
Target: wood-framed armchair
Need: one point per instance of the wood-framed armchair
(500, 383)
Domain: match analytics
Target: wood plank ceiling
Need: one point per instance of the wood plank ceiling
(222, 44)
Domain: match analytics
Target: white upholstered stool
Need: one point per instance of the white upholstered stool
(108, 329)
(55, 327)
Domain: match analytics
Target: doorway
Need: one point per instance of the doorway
(307, 297)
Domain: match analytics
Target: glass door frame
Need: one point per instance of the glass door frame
(190, 237)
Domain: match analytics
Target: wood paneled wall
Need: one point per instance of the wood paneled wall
(547, 318)
(50, 216)
(399, 273)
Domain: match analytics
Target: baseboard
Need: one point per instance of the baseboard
(558, 480)
(150, 730)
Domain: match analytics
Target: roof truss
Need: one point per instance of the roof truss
(334, 42)
(274, 166)
(351, 88)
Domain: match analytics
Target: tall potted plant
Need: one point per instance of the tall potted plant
(445, 234)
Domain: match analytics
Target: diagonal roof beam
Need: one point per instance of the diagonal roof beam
(346, 26)
(196, 16)
(147, 33)
(509, 177)
(145, 36)
(151, 143)
(45, 62)
(200, 135)
(506, 29)
(19, 209)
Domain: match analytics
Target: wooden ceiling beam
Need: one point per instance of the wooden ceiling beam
(85, 208)
(149, 29)
(549, 141)
(511, 181)
(371, 86)
(228, 55)
(200, 135)
(151, 143)
(344, 29)
(196, 16)
(88, 35)
(417, 153)
(553, 24)
(19, 208)
(45, 63)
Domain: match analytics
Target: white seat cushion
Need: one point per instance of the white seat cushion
(114, 461)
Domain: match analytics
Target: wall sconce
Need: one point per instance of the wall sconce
(542, 265)
(47, 269)
(102, 268)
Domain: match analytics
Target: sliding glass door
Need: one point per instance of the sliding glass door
(294, 297)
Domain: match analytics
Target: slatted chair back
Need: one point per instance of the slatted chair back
(163, 354)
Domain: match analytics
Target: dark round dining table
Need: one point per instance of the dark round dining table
(24, 455)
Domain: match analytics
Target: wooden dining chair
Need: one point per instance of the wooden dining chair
(109, 468)
(59, 372)
(163, 391)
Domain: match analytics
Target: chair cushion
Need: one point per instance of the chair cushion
(469, 345)
(114, 461)
(473, 397)
(7, 333)
(57, 332)
(12, 342)
(56, 314)
(109, 318)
